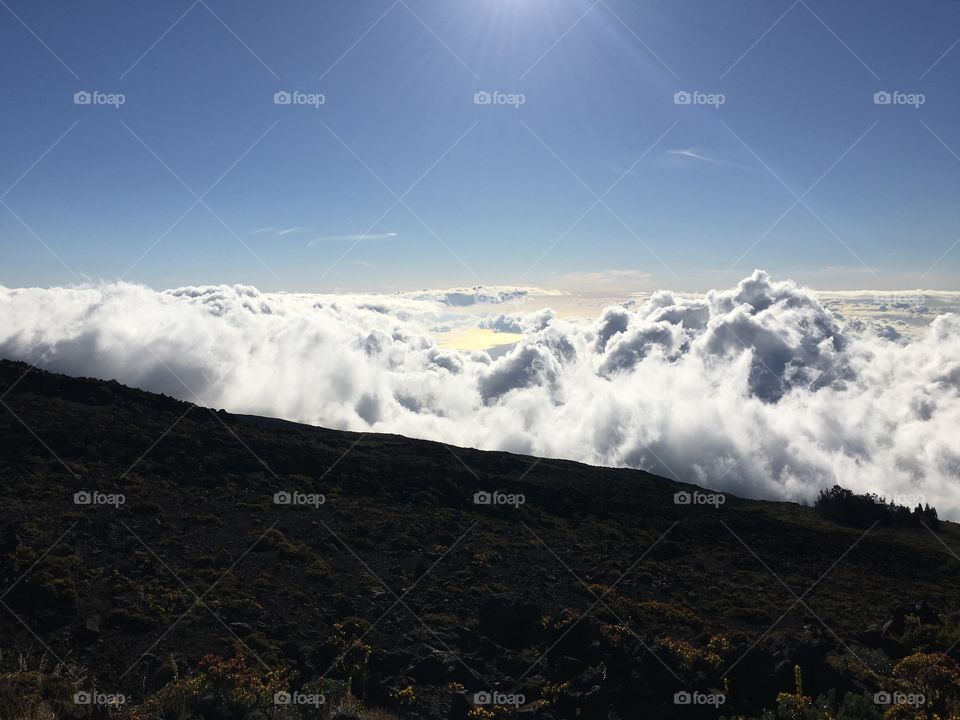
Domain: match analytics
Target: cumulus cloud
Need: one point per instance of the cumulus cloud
(759, 389)
(502, 324)
(477, 295)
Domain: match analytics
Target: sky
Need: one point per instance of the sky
(386, 171)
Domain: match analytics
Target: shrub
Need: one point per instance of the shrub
(220, 688)
(934, 675)
(848, 508)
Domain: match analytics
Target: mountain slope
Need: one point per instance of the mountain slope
(595, 596)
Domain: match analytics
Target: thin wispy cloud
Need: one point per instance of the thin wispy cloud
(360, 237)
(694, 154)
(282, 231)
(278, 230)
(595, 278)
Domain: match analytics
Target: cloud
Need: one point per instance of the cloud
(502, 324)
(277, 231)
(694, 154)
(478, 295)
(353, 238)
(282, 231)
(758, 389)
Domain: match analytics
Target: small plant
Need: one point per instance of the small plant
(38, 694)
(791, 706)
(479, 713)
(692, 657)
(346, 645)
(405, 698)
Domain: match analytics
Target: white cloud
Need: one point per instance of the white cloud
(760, 389)
(478, 295)
(694, 154)
(353, 238)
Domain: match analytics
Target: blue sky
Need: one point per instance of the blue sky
(305, 197)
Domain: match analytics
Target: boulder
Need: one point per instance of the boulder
(509, 623)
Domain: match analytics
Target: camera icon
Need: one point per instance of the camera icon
(682, 97)
(282, 498)
(82, 498)
(682, 498)
(882, 698)
(882, 98)
(482, 498)
(82, 97)
(482, 698)
(682, 698)
(282, 97)
(82, 698)
(482, 98)
(282, 698)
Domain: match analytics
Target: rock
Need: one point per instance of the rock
(488, 649)
(389, 663)
(594, 704)
(90, 631)
(563, 668)
(509, 623)
(430, 671)
(459, 635)
(579, 640)
(344, 607)
(459, 707)
(927, 614)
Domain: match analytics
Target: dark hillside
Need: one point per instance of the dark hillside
(597, 597)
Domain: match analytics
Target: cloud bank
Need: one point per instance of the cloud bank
(759, 389)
